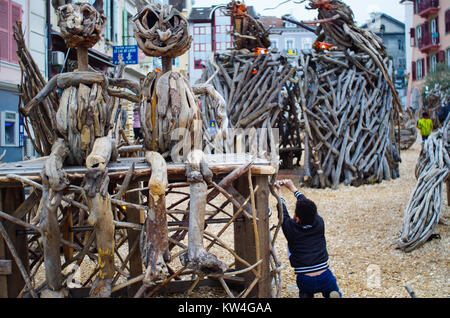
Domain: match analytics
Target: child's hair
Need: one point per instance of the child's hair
(306, 210)
(425, 114)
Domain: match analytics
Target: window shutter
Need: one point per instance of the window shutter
(423, 68)
(447, 21)
(428, 65)
(413, 71)
(412, 35)
(16, 15)
(4, 30)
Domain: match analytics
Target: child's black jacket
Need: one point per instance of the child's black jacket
(306, 243)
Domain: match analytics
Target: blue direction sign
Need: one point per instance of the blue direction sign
(130, 54)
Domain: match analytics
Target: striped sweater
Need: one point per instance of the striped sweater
(307, 249)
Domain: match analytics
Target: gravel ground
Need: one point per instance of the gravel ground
(362, 225)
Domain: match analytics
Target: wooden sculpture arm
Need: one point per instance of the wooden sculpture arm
(48, 88)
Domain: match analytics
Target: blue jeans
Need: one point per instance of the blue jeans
(325, 283)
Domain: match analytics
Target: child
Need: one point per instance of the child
(137, 124)
(425, 125)
(307, 251)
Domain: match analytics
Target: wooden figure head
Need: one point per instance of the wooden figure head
(161, 31)
(328, 8)
(81, 24)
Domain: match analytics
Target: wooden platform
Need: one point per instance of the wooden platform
(248, 218)
(219, 164)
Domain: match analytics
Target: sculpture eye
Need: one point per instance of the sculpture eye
(86, 14)
(152, 20)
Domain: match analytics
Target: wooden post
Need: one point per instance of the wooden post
(83, 59)
(134, 216)
(166, 64)
(262, 213)
(11, 285)
(51, 238)
(244, 236)
(155, 241)
(99, 204)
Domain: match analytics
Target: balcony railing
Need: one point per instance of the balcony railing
(429, 41)
(427, 7)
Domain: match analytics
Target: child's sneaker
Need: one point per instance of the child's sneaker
(334, 294)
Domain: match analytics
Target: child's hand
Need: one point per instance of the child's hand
(289, 184)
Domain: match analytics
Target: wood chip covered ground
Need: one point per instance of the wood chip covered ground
(362, 225)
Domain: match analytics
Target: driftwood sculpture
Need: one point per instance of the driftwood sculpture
(251, 81)
(52, 219)
(248, 33)
(348, 103)
(347, 121)
(338, 27)
(169, 114)
(434, 100)
(425, 204)
(41, 119)
(85, 125)
(408, 129)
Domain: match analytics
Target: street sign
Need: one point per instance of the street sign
(130, 54)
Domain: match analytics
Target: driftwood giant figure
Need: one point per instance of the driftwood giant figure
(169, 106)
(85, 124)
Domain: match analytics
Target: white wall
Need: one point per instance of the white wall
(37, 32)
(409, 14)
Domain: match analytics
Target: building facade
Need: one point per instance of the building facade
(429, 38)
(32, 13)
(288, 38)
(210, 29)
(392, 32)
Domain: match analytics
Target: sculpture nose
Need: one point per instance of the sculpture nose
(164, 36)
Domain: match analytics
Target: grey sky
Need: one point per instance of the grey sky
(361, 8)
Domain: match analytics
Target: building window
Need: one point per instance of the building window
(400, 44)
(274, 44)
(420, 68)
(199, 47)
(9, 123)
(111, 10)
(306, 43)
(448, 58)
(200, 30)
(290, 44)
(198, 64)
(434, 34)
(223, 46)
(418, 34)
(289, 25)
(10, 13)
(433, 63)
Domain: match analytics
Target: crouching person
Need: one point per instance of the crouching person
(307, 251)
